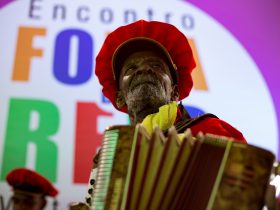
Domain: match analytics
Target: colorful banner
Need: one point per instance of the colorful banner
(53, 113)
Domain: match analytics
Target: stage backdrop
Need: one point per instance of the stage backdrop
(52, 111)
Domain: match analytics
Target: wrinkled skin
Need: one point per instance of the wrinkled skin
(146, 84)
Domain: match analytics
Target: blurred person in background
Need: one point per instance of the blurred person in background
(29, 190)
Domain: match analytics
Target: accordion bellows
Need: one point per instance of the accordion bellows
(207, 172)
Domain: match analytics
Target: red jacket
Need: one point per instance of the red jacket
(207, 123)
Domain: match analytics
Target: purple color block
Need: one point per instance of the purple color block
(4, 3)
(256, 25)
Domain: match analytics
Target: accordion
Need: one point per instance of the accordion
(137, 171)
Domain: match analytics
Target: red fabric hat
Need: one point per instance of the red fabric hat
(27, 180)
(161, 37)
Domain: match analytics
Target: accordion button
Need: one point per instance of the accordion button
(90, 191)
(92, 181)
(88, 200)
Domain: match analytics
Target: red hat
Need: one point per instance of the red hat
(27, 180)
(160, 37)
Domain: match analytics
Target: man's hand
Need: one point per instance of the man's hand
(79, 206)
(271, 201)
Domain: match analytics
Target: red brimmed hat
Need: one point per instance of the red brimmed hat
(26, 180)
(163, 38)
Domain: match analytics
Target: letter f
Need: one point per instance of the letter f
(25, 51)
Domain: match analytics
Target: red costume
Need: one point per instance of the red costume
(175, 49)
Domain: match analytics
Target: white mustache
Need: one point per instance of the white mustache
(143, 79)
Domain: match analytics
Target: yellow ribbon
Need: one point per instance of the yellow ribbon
(163, 119)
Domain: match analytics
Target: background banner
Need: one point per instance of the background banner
(53, 113)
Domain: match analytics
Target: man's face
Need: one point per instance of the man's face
(27, 201)
(145, 82)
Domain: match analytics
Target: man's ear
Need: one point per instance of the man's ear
(120, 101)
(175, 93)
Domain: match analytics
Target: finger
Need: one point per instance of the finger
(270, 198)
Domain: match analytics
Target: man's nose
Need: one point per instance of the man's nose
(143, 69)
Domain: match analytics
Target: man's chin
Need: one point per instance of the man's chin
(140, 109)
(144, 104)
(146, 95)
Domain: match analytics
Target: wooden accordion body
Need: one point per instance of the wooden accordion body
(138, 172)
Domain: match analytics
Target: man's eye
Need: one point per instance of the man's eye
(130, 69)
(156, 65)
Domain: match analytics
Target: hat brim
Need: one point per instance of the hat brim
(139, 44)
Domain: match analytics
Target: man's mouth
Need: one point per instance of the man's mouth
(144, 80)
(141, 84)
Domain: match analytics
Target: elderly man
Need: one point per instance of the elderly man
(145, 70)
(29, 189)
